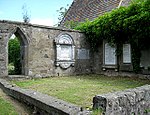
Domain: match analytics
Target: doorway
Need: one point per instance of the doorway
(14, 62)
(17, 53)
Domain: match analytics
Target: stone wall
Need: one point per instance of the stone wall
(129, 102)
(49, 51)
(38, 45)
(123, 65)
(100, 66)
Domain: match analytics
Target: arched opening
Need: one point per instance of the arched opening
(14, 63)
(17, 53)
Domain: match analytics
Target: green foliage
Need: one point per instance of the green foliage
(98, 112)
(126, 24)
(147, 111)
(6, 108)
(62, 12)
(71, 24)
(14, 55)
(11, 69)
(26, 16)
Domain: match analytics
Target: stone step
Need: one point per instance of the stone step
(18, 77)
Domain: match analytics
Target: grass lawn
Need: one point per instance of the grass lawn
(10, 106)
(6, 108)
(80, 90)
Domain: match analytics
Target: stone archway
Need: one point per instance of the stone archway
(24, 43)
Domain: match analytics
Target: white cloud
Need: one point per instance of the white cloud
(47, 22)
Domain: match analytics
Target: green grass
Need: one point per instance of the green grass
(80, 89)
(6, 108)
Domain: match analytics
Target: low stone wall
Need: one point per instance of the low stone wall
(129, 102)
(125, 74)
(43, 104)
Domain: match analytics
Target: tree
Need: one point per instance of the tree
(26, 16)
(68, 24)
(14, 55)
(62, 12)
(71, 24)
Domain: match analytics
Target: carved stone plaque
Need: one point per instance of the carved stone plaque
(83, 54)
(110, 55)
(126, 53)
(65, 51)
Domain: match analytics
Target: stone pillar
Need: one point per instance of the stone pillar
(3, 56)
(26, 69)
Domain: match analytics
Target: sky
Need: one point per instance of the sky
(42, 12)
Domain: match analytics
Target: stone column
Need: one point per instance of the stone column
(3, 56)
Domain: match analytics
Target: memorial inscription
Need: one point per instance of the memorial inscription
(110, 55)
(83, 54)
(126, 53)
(65, 51)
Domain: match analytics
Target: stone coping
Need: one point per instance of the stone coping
(39, 26)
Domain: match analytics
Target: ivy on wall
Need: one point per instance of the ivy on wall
(125, 24)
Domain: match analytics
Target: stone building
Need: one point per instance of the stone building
(105, 59)
(49, 51)
(80, 10)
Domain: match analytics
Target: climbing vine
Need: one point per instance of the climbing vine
(126, 24)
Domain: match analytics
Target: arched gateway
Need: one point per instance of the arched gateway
(24, 44)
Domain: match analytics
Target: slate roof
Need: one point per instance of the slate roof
(80, 10)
